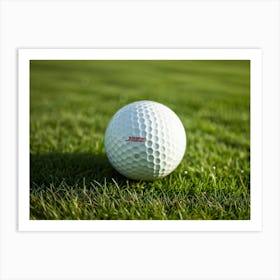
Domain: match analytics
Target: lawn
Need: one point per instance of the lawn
(71, 103)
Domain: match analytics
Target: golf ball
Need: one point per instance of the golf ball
(145, 140)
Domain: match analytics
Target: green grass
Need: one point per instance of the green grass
(71, 104)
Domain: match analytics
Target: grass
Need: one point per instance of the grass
(71, 104)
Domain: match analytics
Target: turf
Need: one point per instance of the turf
(71, 103)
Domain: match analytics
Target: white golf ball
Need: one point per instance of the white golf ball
(145, 140)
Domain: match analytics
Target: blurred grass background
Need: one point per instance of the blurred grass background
(71, 103)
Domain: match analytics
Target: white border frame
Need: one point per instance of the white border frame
(254, 55)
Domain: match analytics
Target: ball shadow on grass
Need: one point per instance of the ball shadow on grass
(70, 168)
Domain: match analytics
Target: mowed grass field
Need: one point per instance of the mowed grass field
(71, 103)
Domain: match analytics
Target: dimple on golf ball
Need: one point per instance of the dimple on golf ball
(145, 140)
